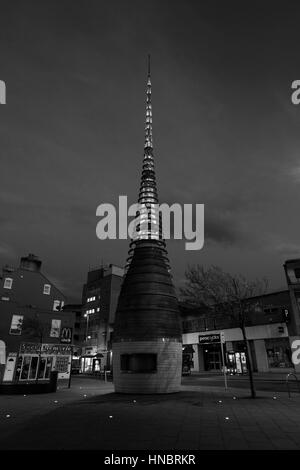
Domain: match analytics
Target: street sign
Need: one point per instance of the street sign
(209, 339)
(222, 337)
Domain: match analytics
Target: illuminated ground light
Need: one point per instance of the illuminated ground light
(7, 416)
(84, 396)
(110, 416)
(234, 398)
(274, 398)
(220, 401)
(226, 418)
(134, 401)
(55, 401)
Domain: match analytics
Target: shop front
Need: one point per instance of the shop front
(91, 363)
(35, 361)
(269, 347)
(210, 352)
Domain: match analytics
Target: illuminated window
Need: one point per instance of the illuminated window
(8, 283)
(92, 310)
(91, 299)
(47, 289)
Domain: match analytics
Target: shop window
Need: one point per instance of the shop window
(138, 363)
(278, 352)
(8, 283)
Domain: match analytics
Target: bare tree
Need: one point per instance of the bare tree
(227, 295)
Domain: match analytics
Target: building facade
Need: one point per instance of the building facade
(35, 333)
(99, 302)
(269, 328)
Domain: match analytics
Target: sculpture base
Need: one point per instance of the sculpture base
(147, 366)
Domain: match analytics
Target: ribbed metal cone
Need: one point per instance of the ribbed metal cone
(148, 306)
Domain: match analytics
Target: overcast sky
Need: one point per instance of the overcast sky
(225, 131)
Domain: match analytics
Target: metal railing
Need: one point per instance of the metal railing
(287, 382)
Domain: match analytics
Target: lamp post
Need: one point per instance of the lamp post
(87, 315)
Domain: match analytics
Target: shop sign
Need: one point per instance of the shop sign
(55, 328)
(209, 339)
(66, 335)
(49, 349)
(30, 348)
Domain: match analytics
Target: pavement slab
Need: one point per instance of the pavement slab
(91, 416)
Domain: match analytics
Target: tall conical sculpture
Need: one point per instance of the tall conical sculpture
(147, 340)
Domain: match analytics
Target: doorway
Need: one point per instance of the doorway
(212, 357)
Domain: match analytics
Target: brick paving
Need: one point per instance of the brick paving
(91, 416)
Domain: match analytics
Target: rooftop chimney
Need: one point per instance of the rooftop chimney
(30, 263)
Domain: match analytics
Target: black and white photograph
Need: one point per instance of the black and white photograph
(149, 230)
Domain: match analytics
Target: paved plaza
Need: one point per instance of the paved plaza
(91, 416)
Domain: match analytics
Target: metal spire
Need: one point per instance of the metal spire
(149, 223)
(148, 127)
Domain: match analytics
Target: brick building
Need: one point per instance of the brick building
(35, 334)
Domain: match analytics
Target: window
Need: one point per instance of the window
(8, 283)
(297, 273)
(98, 309)
(138, 363)
(91, 299)
(278, 352)
(57, 305)
(92, 310)
(16, 325)
(47, 289)
(55, 328)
